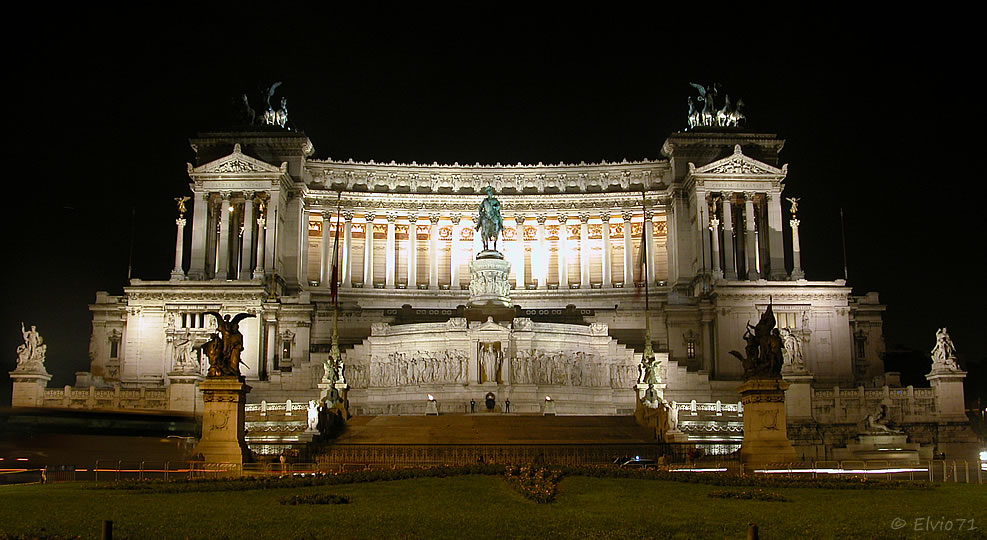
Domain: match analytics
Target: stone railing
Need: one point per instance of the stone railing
(107, 398)
(275, 410)
(852, 405)
(717, 407)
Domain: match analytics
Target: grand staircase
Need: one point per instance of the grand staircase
(487, 438)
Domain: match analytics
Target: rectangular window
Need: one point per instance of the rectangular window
(114, 349)
(690, 349)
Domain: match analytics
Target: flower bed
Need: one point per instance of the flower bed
(539, 484)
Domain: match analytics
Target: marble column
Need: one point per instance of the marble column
(223, 260)
(178, 274)
(563, 248)
(368, 252)
(776, 243)
(390, 264)
(628, 249)
(797, 272)
(433, 251)
(730, 272)
(584, 251)
(325, 274)
(750, 241)
(200, 226)
(607, 263)
(714, 229)
(649, 240)
(247, 251)
(261, 242)
(520, 263)
(542, 258)
(702, 239)
(347, 248)
(412, 250)
(457, 232)
(303, 218)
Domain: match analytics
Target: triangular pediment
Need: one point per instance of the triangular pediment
(490, 326)
(738, 164)
(235, 163)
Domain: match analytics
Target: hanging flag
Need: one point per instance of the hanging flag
(334, 278)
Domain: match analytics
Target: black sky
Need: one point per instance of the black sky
(878, 125)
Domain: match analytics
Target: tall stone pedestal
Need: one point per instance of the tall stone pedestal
(223, 419)
(765, 423)
(490, 288)
(29, 388)
(948, 387)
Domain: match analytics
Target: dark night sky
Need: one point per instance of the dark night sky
(99, 119)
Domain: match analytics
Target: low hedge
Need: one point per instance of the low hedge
(317, 498)
(756, 494)
(604, 471)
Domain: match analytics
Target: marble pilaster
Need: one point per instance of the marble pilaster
(584, 251)
(390, 264)
(433, 251)
(542, 257)
(326, 267)
(368, 252)
(457, 232)
(347, 248)
(178, 274)
(750, 242)
(628, 249)
(797, 272)
(730, 270)
(412, 250)
(563, 249)
(223, 256)
(607, 262)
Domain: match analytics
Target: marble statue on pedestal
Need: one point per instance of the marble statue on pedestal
(31, 354)
(877, 422)
(313, 415)
(794, 360)
(944, 353)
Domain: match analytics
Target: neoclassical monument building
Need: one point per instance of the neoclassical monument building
(698, 237)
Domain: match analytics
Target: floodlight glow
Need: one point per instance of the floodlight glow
(983, 455)
(431, 397)
(720, 469)
(548, 398)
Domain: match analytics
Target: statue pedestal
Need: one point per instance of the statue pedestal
(29, 388)
(891, 447)
(183, 391)
(798, 396)
(765, 423)
(222, 420)
(431, 409)
(948, 387)
(490, 288)
(549, 409)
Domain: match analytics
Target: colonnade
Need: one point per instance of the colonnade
(229, 237)
(747, 245)
(526, 255)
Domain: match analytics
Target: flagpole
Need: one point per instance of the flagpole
(648, 351)
(334, 352)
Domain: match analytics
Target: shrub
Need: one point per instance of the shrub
(536, 483)
(756, 494)
(317, 498)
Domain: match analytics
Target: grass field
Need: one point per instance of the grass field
(486, 507)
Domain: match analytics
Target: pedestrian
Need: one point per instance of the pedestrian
(507, 406)
(472, 405)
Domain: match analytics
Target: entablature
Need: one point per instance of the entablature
(455, 178)
(325, 200)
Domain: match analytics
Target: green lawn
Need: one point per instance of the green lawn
(486, 507)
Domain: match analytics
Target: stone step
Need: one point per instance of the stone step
(494, 429)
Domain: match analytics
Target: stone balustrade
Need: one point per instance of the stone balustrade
(851, 405)
(107, 398)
